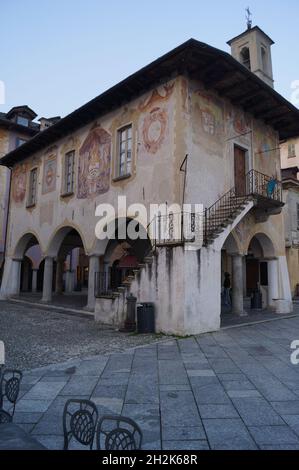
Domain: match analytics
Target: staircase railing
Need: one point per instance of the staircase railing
(218, 212)
(256, 184)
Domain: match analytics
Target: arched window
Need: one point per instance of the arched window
(245, 57)
(264, 59)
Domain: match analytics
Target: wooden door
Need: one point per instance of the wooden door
(252, 275)
(239, 165)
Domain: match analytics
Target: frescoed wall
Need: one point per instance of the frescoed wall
(49, 172)
(19, 178)
(94, 164)
(266, 151)
(154, 119)
(208, 112)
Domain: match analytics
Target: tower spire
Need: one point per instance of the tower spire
(248, 17)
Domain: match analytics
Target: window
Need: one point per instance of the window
(124, 151)
(264, 59)
(69, 170)
(22, 121)
(32, 187)
(245, 57)
(20, 141)
(291, 151)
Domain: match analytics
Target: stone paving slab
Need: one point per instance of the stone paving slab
(233, 389)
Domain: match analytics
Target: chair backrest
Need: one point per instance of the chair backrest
(10, 387)
(79, 422)
(118, 433)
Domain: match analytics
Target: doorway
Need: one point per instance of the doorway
(240, 170)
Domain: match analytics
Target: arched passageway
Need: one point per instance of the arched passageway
(65, 266)
(25, 264)
(246, 276)
(261, 273)
(126, 248)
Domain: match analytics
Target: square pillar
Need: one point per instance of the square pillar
(94, 266)
(48, 279)
(237, 284)
(273, 292)
(34, 280)
(15, 276)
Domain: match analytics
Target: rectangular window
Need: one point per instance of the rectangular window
(124, 151)
(22, 121)
(291, 151)
(32, 187)
(69, 171)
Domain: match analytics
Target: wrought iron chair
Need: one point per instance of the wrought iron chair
(9, 392)
(118, 433)
(79, 422)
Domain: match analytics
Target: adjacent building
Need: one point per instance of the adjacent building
(197, 130)
(16, 127)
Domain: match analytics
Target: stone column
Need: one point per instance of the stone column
(48, 279)
(25, 277)
(59, 276)
(15, 276)
(69, 281)
(94, 266)
(273, 292)
(34, 280)
(237, 285)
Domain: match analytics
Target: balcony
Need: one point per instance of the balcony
(266, 191)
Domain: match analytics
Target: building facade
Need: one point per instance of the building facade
(185, 131)
(16, 127)
(291, 214)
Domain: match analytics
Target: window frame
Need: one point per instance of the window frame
(65, 190)
(291, 154)
(128, 163)
(31, 201)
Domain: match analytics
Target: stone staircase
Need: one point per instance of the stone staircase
(222, 214)
(126, 283)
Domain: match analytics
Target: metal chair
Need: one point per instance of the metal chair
(79, 422)
(118, 433)
(9, 391)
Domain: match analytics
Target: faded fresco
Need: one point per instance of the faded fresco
(154, 118)
(49, 174)
(46, 213)
(238, 125)
(19, 183)
(266, 151)
(94, 164)
(208, 113)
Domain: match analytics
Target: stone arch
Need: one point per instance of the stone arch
(101, 246)
(232, 244)
(266, 243)
(59, 236)
(27, 240)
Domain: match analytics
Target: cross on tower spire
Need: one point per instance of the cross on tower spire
(248, 17)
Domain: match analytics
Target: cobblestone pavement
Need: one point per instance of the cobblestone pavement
(234, 389)
(35, 337)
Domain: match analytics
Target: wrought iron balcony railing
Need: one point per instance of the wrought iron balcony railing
(226, 208)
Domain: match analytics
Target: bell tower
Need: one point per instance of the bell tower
(253, 49)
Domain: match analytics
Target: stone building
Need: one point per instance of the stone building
(290, 185)
(199, 127)
(16, 127)
(289, 152)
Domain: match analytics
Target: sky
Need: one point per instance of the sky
(55, 55)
